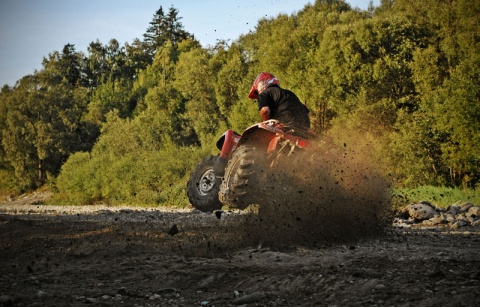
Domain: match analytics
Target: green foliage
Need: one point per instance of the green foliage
(457, 111)
(244, 114)
(164, 28)
(119, 174)
(229, 73)
(194, 80)
(439, 196)
(132, 121)
(7, 172)
(108, 96)
(40, 130)
(412, 154)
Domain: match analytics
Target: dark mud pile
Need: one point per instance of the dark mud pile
(327, 194)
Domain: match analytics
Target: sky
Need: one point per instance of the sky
(31, 29)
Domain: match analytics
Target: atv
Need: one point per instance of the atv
(235, 176)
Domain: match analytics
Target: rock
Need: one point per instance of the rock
(450, 217)
(428, 223)
(167, 291)
(173, 230)
(476, 223)
(474, 212)
(465, 206)
(470, 219)
(438, 220)
(154, 296)
(404, 225)
(249, 298)
(380, 287)
(404, 221)
(461, 217)
(459, 224)
(453, 210)
(91, 300)
(421, 211)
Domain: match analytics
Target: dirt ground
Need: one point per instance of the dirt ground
(54, 256)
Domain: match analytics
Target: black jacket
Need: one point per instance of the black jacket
(284, 106)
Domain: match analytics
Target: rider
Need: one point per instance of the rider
(277, 103)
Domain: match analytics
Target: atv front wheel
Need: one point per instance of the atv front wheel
(203, 186)
(241, 183)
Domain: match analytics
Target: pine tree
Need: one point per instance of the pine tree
(164, 28)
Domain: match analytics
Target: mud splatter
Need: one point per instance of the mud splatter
(329, 194)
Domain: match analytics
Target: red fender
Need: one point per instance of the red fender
(230, 140)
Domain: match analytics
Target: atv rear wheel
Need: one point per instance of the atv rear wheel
(242, 180)
(203, 186)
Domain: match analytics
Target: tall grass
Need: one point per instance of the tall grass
(441, 197)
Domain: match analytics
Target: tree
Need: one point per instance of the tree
(40, 131)
(43, 119)
(18, 133)
(65, 68)
(164, 28)
(194, 81)
(137, 56)
(96, 63)
(108, 96)
(229, 69)
(8, 182)
(313, 77)
(456, 111)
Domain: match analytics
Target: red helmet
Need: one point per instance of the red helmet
(263, 80)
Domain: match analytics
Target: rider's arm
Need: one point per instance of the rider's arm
(265, 113)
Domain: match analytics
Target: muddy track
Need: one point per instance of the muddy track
(186, 258)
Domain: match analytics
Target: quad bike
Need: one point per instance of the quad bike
(236, 176)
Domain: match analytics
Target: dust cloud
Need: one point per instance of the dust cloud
(332, 193)
(328, 194)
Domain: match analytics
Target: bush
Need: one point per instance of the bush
(152, 178)
(439, 196)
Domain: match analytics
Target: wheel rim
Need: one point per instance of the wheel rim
(206, 182)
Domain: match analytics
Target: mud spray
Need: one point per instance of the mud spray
(333, 193)
(330, 194)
